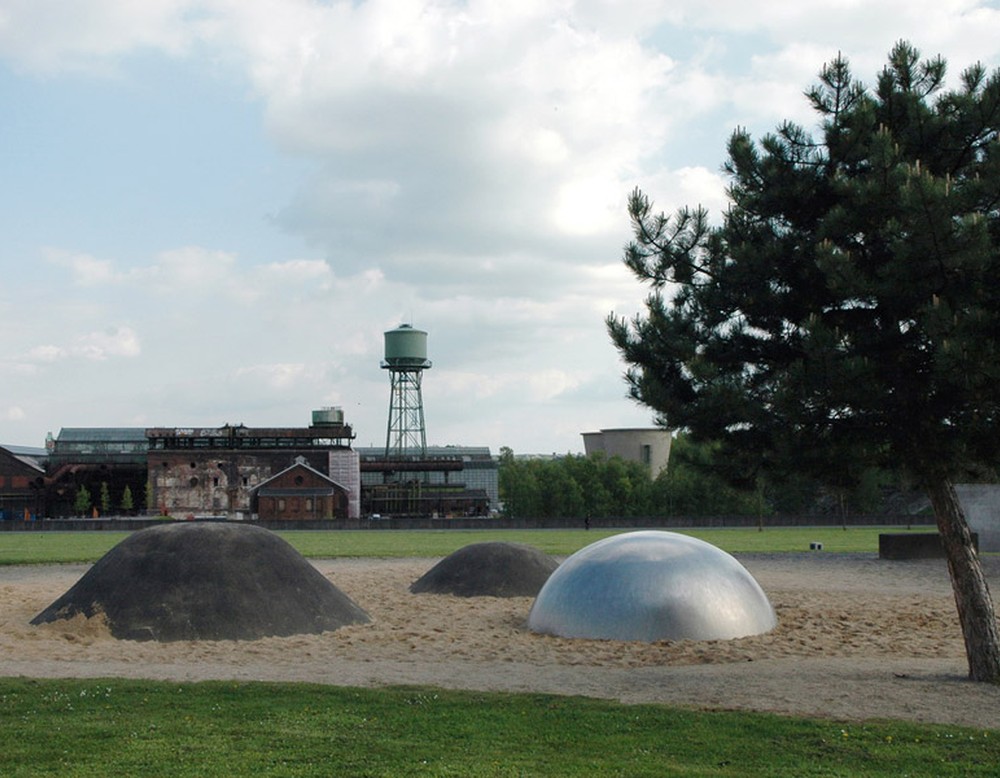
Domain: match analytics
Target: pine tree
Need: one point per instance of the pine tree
(846, 312)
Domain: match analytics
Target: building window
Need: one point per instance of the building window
(298, 480)
(193, 481)
(281, 505)
(646, 454)
(245, 480)
(215, 482)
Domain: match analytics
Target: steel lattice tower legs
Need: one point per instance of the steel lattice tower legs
(405, 435)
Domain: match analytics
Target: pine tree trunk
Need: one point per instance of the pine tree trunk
(972, 594)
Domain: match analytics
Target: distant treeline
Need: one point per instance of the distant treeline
(693, 484)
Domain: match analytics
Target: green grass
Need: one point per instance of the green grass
(63, 547)
(435, 543)
(140, 728)
(27, 548)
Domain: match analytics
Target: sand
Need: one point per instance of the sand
(858, 638)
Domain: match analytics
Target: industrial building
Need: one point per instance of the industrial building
(223, 470)
(21, 483)
(245, 473)
(446, 481)
(269, 474)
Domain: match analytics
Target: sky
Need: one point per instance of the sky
(212, 210)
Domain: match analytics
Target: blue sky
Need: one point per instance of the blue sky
(211, 210)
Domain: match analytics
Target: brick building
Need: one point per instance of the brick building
(21, 485)
(300, 492)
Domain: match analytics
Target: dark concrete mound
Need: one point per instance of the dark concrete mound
(488, 570)
(206, 581)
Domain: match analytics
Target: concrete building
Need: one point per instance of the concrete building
(649, 445)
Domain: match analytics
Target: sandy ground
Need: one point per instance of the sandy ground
(858, 638)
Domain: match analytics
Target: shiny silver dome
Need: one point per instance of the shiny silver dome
(651, 585)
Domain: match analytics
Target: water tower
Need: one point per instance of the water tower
(406, 360)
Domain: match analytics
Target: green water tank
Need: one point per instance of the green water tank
(406, 347)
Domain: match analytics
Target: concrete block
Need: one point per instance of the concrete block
(913, 545)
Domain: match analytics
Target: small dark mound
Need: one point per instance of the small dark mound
(488, 570)
(206, 581)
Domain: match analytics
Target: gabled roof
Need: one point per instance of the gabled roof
(300, 463)
(25, 461)
(35, 452)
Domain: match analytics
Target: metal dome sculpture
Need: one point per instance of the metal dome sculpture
(651, 585)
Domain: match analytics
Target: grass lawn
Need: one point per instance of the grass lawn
(60, 547)
(140, 728)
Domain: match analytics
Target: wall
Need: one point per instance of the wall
(981, 503)
(344, 468)
(217, 481)
(650, 446)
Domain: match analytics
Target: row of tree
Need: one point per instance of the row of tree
(696, 483)
(84, 503)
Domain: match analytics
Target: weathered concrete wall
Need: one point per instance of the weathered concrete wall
(914, 545)
(345, 468)
(981, 503)
(198, 482)
(650, 446)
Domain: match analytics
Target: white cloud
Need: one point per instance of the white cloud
(313, 273)
(85, 269)
(461, 164)
(47, 353)
(510, 124)
(115, 342)
(279, 375)
(547, 385)
(193, 269)
(99, 346)
(49, 36)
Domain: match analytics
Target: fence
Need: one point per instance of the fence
(425, 522)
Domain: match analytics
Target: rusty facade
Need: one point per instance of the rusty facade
(220, 471)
